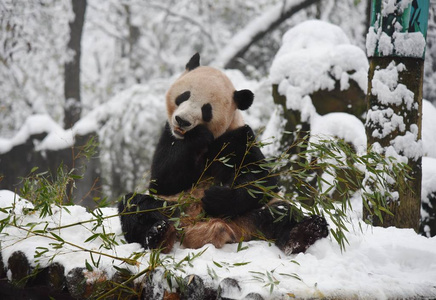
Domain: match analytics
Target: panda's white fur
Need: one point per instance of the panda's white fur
(206, 85)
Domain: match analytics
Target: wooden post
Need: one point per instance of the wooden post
(396, 47)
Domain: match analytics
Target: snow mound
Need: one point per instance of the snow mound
(313, 55)
(312, 34)
(340, 125)
(316, 55)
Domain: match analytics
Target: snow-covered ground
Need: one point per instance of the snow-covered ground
(378, 263)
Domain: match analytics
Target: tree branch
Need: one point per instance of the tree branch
(258, 28)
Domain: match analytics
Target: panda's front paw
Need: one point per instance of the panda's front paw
(219, 201)
(155, 235)
(199, 136)
(303, 235)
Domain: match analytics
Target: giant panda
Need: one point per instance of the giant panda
(207, 176)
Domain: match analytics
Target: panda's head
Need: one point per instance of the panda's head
(204, 95)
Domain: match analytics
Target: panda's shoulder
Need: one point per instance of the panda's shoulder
(236, 142)
(242, 135)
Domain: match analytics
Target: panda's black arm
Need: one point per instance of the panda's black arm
(236, 192)
(177, 163)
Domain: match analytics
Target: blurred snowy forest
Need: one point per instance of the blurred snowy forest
(132, 49)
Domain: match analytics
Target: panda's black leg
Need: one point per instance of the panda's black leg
(154, 235)
(292, 232)
(144, 221)
(304, 234)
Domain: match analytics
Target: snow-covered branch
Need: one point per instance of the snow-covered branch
(257, 28)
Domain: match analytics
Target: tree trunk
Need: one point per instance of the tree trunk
(73, 106)
(392, 120)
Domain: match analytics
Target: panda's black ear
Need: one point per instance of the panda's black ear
(243, 99)
(193, 63)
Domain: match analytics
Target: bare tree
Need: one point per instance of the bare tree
(73, 107)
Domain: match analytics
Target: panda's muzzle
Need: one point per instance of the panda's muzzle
(181, 127)
(182, 123)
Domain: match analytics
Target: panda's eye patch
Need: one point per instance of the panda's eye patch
(183, 97)
(206, 111)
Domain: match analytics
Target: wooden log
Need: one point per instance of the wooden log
(20, 269)
(193, 289)
(229, 289)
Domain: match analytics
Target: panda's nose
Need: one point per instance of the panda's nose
(182, 123)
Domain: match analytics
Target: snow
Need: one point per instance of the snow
(401, 43)
(259, 24)
(409, 44)
(428, 129)
(313, 56)
(428, 177)
(273, 131)
(57, 137)
(340, 125)
(405, 145)
(317, 50)
(378, 263)
(387, 89)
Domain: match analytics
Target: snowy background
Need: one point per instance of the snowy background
(124, 79)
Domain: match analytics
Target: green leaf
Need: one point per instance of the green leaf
(241, 263)
(88, 266)
(57, 237)
(92, 237)
(217, 264)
